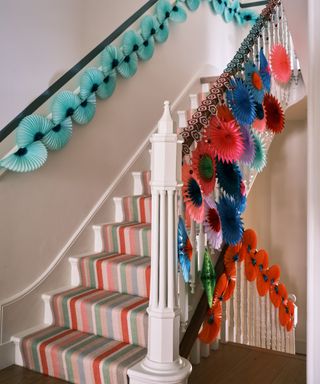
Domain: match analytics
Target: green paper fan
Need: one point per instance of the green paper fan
(32, 128)
(90, 81)
(108, 85)
(64, 105)
(260, 158)
(111, 57)
(26, 159)
(208, 276)
(59, 135)
(86, 110)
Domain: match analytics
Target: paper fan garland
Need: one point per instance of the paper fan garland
(232, 225)
(208, 277)
(203, 165)
(267, 277)
(90, 81)
(249, 243)
(133, 43)
(220, 289)
(291, 309)
(108, 86)
(230, 10)
(231, 277)
(26, 159)
(245, 16)
(59, 135)
(64, 106)
(193, 4)
(254, 81)
(260, 157)
(229, 178)
(32, 128)
(110, 59)
(85, 112)
(217, 6)
(184, 250)
(162, 33)
(174, 12)
(192, 194)
(241, 102)
(212, 224)
(129, 65)
(265, 71)
(231, 257)
(278, 293)
(286, 314)
(225, 138)
(211, 325)
(274, 114)
(280, 64)
(249, 146)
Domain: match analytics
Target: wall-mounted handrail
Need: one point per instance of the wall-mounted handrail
(35, 104)
(253, 4)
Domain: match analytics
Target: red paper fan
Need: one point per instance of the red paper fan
(224, 113)
(220, 289)
(267, 277)
(278, 293)
(274, 113)
(280, 64)
(226, 139)
(203, 164)
(249, 243)
(231, 277)
(231, 256)
(211, 325)
(192, 194)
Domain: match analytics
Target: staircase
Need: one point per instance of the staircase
(99, 329)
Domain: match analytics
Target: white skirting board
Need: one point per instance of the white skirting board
(6, 354)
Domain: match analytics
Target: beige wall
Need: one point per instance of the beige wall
(277, 210)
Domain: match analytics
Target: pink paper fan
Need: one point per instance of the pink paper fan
(259, 125)
(280, 64)
(225, 138)
(203, 165)
(192, 194)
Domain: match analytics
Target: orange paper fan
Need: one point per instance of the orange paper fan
(280, 64)
(231, 277)
(267, 277)
(290, 323)
(211, 325)
(249, 243)
(231, 257)
(278, 293)
(220, 289)
(250, 266)
(262, 259)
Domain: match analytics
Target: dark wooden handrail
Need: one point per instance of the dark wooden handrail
(198, 317)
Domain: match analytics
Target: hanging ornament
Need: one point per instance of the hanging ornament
(111, 57)
(280, 64)
(229, 178)
(249, 146)
(232, 225)
(212, 224)
(203, 165)
(184, 250)
(208, 277)
(265, 71)
(266, 277)
(192, 194)
(241, 102)
(211, 325)
(225, 138)
(274, 113)
(278, 293)
(243, 16)
(254, 81)
(260, 157)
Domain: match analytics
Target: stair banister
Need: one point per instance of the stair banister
(163, 363)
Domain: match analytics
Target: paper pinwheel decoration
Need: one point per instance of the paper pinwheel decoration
(278, 293)
(192, 194)
(232, 225)
(260, 156)
(229, 178)
(265, 71)
(211, 325)
(280, 64)
(254, 261)
(94, 81)
(208, 277)
(241, 102)
(184, 250)
(231, 257)
(225, 138)
(249, 243)
(249, 146)
(266, 277)
(212, 224)
(254, 81)
(203, 165)
(174, 12)
(274, 113)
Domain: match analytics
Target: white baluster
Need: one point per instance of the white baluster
(201, 247)
(232, 317)
(137, 183)
(238, 308)
(278, 332)
(163, 361)
(184, 303)
(225, 322)
(268, 321)
(263, 321)
(251, 327)
(204, 350)
(118, 209)
(274, 318)
(195, 356)
(257, 320)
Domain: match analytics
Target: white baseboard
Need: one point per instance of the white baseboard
(6, 354)
(301, 347)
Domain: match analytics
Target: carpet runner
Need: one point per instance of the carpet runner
(100, 328)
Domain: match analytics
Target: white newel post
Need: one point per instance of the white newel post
(163, 363)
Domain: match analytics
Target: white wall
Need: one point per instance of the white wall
(277, 211)
(41, 211)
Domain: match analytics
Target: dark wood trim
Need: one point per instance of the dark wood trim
(254, 4)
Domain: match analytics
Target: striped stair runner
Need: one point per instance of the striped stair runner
(100, 328)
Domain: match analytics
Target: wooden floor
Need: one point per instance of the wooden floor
(231, 364)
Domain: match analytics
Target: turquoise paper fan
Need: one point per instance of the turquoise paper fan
(26, 159)
(230, 10)
(260, 158)
(193, 4)
(148, 26)
(130, 45)
(246, 16)
(218, 6)
(32, 128)
(108, 85)
(86, 110)
(59, 135)
(174, 12)
(64, 105)
(254, 81)
(162, 32)
(111, 57)
(90, 81)
(147, 49)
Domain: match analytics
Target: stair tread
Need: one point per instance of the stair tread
(77, 356)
